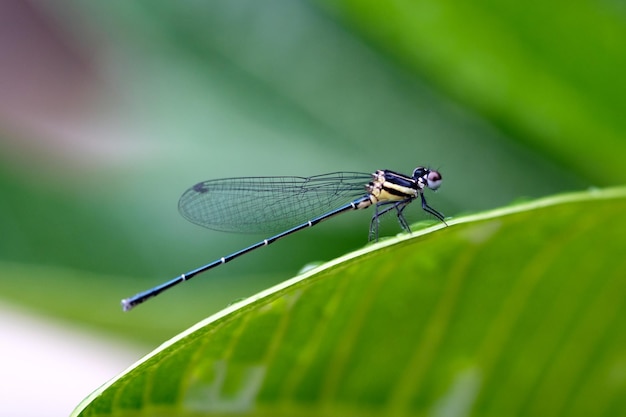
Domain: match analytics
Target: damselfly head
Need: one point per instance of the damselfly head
(430, 177)
(433, 179)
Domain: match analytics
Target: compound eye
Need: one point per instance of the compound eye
(433, 179)
(419, 172)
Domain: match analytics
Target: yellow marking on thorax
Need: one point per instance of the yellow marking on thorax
(378, 189)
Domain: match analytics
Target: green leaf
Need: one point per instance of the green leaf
(517, 311)
(545, 71)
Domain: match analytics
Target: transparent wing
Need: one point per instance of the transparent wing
(268, 204)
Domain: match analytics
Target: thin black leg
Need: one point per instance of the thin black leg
(403, 223)
(399, 206)
(429, 209)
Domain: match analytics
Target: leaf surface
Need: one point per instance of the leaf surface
(518, 311)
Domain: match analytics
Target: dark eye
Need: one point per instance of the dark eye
(419, 172)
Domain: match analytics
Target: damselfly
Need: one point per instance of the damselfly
(271, 204)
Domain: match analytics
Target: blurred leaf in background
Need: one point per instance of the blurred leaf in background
(110, 110)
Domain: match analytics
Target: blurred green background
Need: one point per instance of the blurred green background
(110, 110)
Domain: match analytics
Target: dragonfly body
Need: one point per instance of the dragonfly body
(290, 204)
